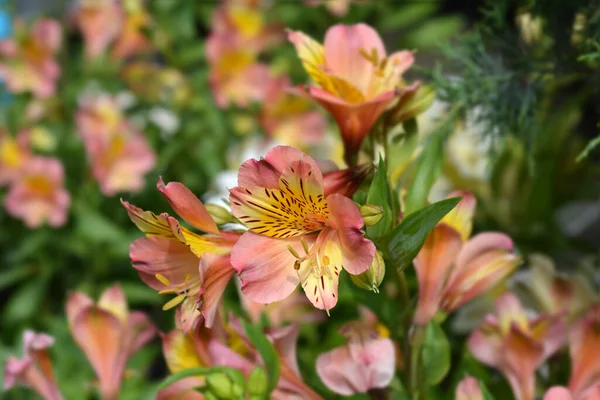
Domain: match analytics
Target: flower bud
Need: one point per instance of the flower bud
(257, 382)
(371, 278)
(371, 214)
(410, 105)
(219, 214)
(226, 385)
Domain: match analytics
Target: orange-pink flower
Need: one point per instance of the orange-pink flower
(174, 260)
(562, 393)
(108, 333)
(27, 63)
(34, 370)
(516, 345)
(356, 80)
(38, 195)
(453, 268)
(281, 200)
(119, 155)
(366, 361)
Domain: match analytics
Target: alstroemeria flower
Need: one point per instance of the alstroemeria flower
(366, 362)
(356, 80)
(281, 200)
(453, 268)
(119, 154)
(34, 370)
(238, 352)
(555, 292)
(562, 393)
(108, 333)
(100, 22)
(14, 154)
(28, 65)
(174, 260)
(132, 40)
(39, 196)
(516, 345)
(468, 389)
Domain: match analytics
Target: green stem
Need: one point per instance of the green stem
(418, 338)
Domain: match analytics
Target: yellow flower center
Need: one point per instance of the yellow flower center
(248, 22)
(10, 154)
(40, 184)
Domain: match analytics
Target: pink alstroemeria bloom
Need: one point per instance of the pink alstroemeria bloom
(516, 345)
(281, 200)
(562, 393)
(34, 370)
(236, 77)
(108, 333)
(366, 362)
(356, 80)
(238, 352)
(39, 196)
(119, 154)
(174, 260)
(289, 119)
(100, 23)
(14, 153)
(453, 269)
(468, 389)
(28, 65)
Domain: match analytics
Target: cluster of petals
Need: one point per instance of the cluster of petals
(111, 22)
(27, 61)
(453, 268)
(118, 153)
(175, 260)
(516, 345)
(239, 33)
(367, 361)
(226, 344)
(34, 370)
(297, 233)
(108, 333)
(355, 80)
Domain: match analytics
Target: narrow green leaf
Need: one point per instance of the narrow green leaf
(186, 373)
(267, 352)
(428, 168)
(436, 354)
(405, 241)
(592, 144)
(378, 195)
(485, 391)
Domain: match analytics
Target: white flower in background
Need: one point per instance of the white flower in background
(165, 119)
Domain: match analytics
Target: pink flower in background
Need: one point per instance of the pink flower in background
(516, 345)
(366, 361)
(132, 40)
(355, 79)
(108, 333)
(27, 64)
(339, 8)
(174, 260)
(236, 77)
(14, 154)
(453, 268)
(562, 393)
(100, 22)
(468, 389)
(119, 155)
(281, 201)
(38, 195)
(289, 119)
(34, 370)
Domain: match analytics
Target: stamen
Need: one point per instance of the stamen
(326, 260)
(163, 279)
(293, 251)
(304, 245)
(175, 301)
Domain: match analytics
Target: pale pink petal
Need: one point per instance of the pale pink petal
(480, 244)
(403, 61)
(468, 389)
(432, 265)
(223, 355)
(343, 58)
(113, 300)
(76, 302)
(584, 341)
(215, 273)
(258, 173)
(285, 341)
(266, 266)
(345, 218)
(183, 389)
(486, 348)
(187, 206)
(47, 34)
(140, 331)
(558, 393)
(461, 216)
(345, 181)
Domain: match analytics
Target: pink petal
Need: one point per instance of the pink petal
(216, 272)
(480, 244)
(285, 341)
(113, 300)
(343, 58)
(76, 302)
(345, 181)
(584, 341)
(468, 389)
(558, 393)
(404, 60)
(183, 389)
(168, 257)
(187, 206)
(487, 348)
(223, 355)
(266, 266)
(140, 331)
(432, 265)
(461, 216)
(99, 333)
(345, 218)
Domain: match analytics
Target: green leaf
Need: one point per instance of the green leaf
(267, 353)
(378, 195)
(408, 15)
(435, 354)
(428, 168)
(486, 393)
(405, 241)
(592, 144)
(186, 373)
